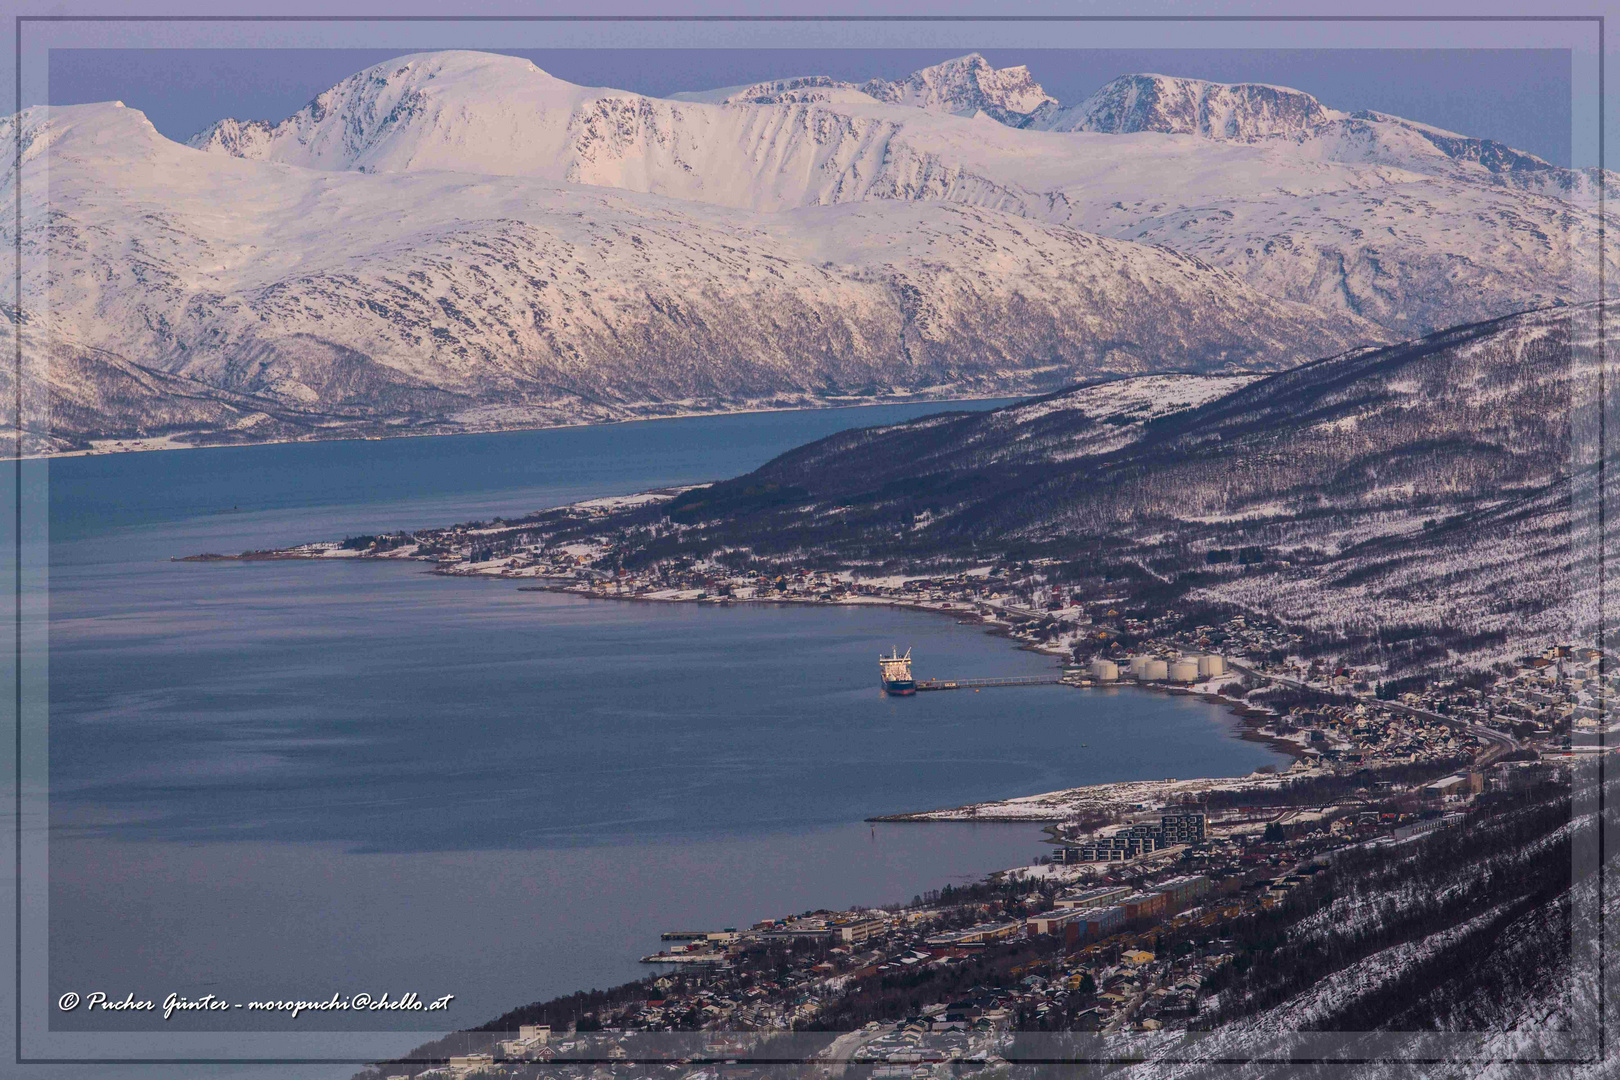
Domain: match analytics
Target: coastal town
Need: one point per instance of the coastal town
(1145, 943)
(1303, 702)
(1332, 719)
(1014, 544)
(1149, 899)
(1138, 908)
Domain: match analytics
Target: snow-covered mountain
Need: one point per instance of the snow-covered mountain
(1403, 224)
(462, 239)
(313, 300)
(1257, 113)
(968, 86)
(965, 86)
(1174, 106)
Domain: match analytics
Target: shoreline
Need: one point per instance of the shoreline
(1047, 812)
(1247, 727)
(1051, 808)
(156, 443)
(1249, 718)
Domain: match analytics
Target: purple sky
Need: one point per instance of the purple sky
(1517, 96)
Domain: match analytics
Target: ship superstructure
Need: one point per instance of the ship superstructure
(896, 671)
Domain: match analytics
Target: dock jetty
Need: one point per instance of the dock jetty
(980, 684)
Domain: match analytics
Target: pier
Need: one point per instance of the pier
(981, 684)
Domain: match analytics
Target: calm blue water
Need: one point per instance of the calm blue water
(271, 778)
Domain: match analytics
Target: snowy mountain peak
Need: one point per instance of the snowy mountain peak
(416, 111)
(965, 86)
(817, 139)
(806, 88)
(1218, 172)
(95, 131)
(1488, 154)
(455, 227)
(238, 138)
(1175, 106)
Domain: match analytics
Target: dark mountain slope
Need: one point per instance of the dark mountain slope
(1475, 413)
(1420, 493)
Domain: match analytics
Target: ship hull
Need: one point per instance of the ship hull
(899, 687)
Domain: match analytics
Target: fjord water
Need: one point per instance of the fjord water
(285, 779)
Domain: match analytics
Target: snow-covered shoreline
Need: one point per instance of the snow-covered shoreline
(173, 441)
(999, 622)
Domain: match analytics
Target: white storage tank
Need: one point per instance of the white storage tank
(1139, 666)
(1211, 666)
(1155, 671)
(1104, 670)
(1184, 670)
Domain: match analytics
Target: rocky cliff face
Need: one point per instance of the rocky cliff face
(968, 86)
(1170, 106)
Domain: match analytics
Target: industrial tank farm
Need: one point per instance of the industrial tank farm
(1181, 669)
(1149, 669)
(1184, 670)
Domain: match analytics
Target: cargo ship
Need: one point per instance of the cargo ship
(896, 671)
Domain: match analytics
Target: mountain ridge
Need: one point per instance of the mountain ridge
(477, 242)
(379, 100)
(1396, 222)
(1387, 487)
(345, 301)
